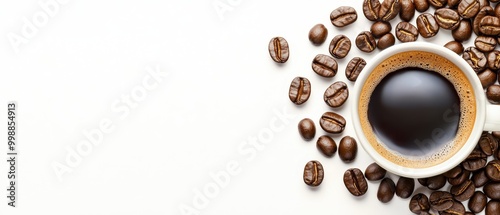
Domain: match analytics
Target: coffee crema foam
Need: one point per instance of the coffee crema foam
(427, 61)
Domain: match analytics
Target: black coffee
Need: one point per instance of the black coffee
(414, 111)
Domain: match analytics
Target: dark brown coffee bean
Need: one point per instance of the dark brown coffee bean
(456, 208)
(463, 191)
(374, 172)
(437, 3)
(463, 176)
(343, 16)
(406, 32)
(475, 161)
(494, 60)
(386, 41)
(386, 190)
(355, 182)
(332, 122)
(419, 203)
(479, 178)
(492, 170)
(485, 43)
(407, 10)
(468, 8)
(493, 94)
(313, 173)
(405, 187)
(455, 46)
(447, 18)
(307, 129)
(326, 145)
(340, 46)
(300, 90)
(484, 11)
(488, 143)
(366, 42)
(336, 94)
(278, 49)
(318, 34)
(389, 9)
(371, 9)
(487, 77)
(434, 183)
(492, 190)
(348, 148)
(496, 134)
(453, 173)
(427, 25)
(452, 3)
(490, 25)
(324, 65)
(421, 5)
(463, 32)
(492, 208)
(354, 68)
(475, 58)
(380, 28)
(440, 200)
(477, 202)
(497, 10)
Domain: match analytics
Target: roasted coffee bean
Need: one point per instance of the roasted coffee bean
(343, 16)
(484, 11)
(406, 32)
(355, 182)
(490, 25)
(468, 8)
(455, 46)
(483, 3)
(340, 46)
(441, 200)
(336, 94)
(447, 18)
(496, 134)
(354, 68)
(492, 190)
(386, 190)
(475, 161)
(475, 58)
(374, 172)
(326, 145)
(453, 173)
(389, 9)
(324, 65)
(494, 60)
(405, 187)
(488, 143)
(485, 43)
(434, 183)
(427, 25)
(493, 95)
(318, 34)
(371, 9)
(477, 202)
(487, 77)
(463, 32)
(419, 203)
(463, 176)
(407, 10)
(386, 41)
(463, 191)
(278, 49)
(348, 148)
(313, 173)
(497, 10)
(380, 28)
(452, 3)
(300, 90)
(492, 208)
(437, 3)
(479, 178)
(492, 170)
(456, 208)
(366, 42)
(332, 122)
(421, 5)
(307, 129)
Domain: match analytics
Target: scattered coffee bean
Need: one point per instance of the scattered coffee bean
(404, 187)
(326, 145)
(355, 182)
(354, 68)
(492, 190)
(407, 10)
(441, 200)
(332, 122)
(380, 28)
(452, 3)
(419, 203)
(325, 65)
(340, 46)
(477, 202)
(318, 34)
(493, 95)
(487, 142)
(475, 161)
(427, 25)
(486, 10)
(434, 183)
(453, 173)
(455, 46)
(374, 172)
(463, 176)
(497, 10)
(468, 8)
(406, 32)
(336, 94)
(343, 16)
(348, 148)
(371, 9)
(485, 43)
(447, 18)
(475, 58)
(492, 170)
(492, 208)
(479, 178)
(496, 134)
(463, 32)
(490, 25)
(366, 42)
(386, 190)
(421, 5)
(300, 90)
(456, 208)
(386, 41)
(463, 191)
(437, 3)
(494, 60)
(389, 9)
(307, 129)
(278, 49)
(313, 173)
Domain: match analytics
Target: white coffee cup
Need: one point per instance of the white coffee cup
(487, 116)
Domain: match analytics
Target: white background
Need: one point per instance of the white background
(222, 91)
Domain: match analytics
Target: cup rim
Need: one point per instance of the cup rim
(474, 136)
